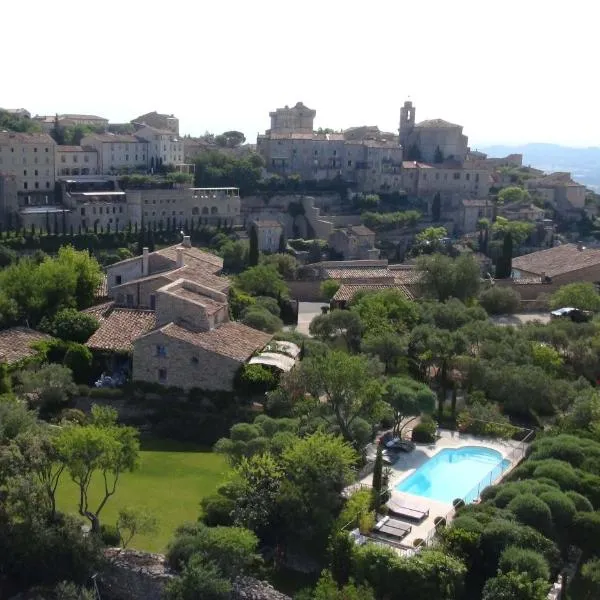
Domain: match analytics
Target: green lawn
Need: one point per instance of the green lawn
(169, 483)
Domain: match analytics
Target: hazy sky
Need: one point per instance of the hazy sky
(510, 71)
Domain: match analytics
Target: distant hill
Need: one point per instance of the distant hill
(583, 163)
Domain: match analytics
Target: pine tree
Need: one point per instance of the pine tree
(253, 253)
(378, 478)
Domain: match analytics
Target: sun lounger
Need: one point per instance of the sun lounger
(407, 512)
(392, 528)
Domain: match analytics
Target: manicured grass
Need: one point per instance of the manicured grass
(169, 483)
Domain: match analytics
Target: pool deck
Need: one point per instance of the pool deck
(409, 462)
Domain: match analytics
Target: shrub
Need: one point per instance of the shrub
(73, 415)
(79, 359)
(559, 471)
(269, 304)
(48, 387)
(110, 535)
(532, 511)
(217, 510)
(70, 325)
(366, 522)
(582, 504)
(261, 319)
(499, 300)
(561, 507)
(256, 379)
(485, 419)
(514, 586)
(329, 287)
(424, 432)
(83, 390)
(523, 560)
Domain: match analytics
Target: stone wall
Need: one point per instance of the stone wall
(134, 575)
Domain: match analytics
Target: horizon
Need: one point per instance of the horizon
(225, 66)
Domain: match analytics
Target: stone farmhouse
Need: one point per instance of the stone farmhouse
(169, 312)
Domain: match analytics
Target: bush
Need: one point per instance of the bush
(70, 325)
(73, 415)
(559, 471)
(485, 419)
(582, 504)
(48, 387)
(532, 511)
(329, 287)
(109, 535)
(268, 304)
(79, 359)
(261, 319)
(424, 432)
(217, 510)
(499, 300)
(561, 507)
(523, 560)
(256, 379)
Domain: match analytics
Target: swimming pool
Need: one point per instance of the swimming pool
(455, 473)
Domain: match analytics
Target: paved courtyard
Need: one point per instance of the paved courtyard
(307, 311)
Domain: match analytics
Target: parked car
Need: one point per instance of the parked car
(575, 314)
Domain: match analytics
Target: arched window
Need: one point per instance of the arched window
(214, 210)
(195, 210)
(205, 210)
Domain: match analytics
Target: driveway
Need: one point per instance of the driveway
(521, 318)
(307, 311)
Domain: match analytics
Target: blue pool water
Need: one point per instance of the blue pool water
(455, 473)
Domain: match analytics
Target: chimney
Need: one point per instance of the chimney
(180, 262)
(145, 254)
(187, 242)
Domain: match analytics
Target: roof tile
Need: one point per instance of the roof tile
(558, 260)
(120, 328)
(15, 343)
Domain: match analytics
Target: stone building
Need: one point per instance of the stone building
(363, 156)
(28, 159)
(169, 311)
(472, 211)
(355, 242)
(118, 152)
(76, 160)
(164, 146)
(159, 121)
(431, 141)
(48, 122)
(568, 263)
(560, 191)
(268, 233)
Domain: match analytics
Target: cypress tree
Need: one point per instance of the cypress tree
(378, 478)
(504, 264)
(282, 244)
(253, 253)
(436, 207)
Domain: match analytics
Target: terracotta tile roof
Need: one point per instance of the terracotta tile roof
(69, 148)
(15, 343)
(100, 311)
(231, 339)
(8, 137)
(120, 328)
(406, 276)
(191, 254)
(347, 291)
(201, 275)
(114, 138)
(210, 305)
(436, 124)
(558, 260)
(358, 273)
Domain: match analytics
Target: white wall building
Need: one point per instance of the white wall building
(164, 146)
(76, 160)
(268, 233)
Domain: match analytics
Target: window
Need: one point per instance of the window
(195, 210)
(457, 175)
(35, 149)
(75, 158)
(162, 374)
(194, 360)
(100, 210)
(25, 185)
(349, 163)
(63, 158)
(127, 157)
(47, 185)
(46, 150)
(468, 176)
(83, 211)
(86, 158)
(24, 173)
(152, 301)
(120, 209)
(35, 172)
(130, 300)
(161, 350)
